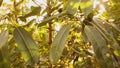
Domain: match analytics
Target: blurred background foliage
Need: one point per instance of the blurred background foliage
(59, 34)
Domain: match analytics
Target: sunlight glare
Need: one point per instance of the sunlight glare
(95, 3)
(99, 6)
(104, 0)
(41, 3)
(57, 26)
(98, 3)
(102, 8)
(8, 1)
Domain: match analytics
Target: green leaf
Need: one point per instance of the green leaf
(100, 47)
(35, 11)
(84, 36)
(115, 27)
(4, 53)
(58, 44)
(72, 6)
(86, 6)
(29, 24)
(26, 45)
(102, 29)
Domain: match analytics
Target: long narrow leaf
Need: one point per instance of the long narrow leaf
(58, 44)
(115, 27)
(4, 54)
(26, 45)
(44, 22)
(100, 47)
(99, 25)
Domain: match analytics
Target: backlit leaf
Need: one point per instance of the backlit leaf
(86, 6)
(26, 45)
(72, 6)
(58, 44)
(4, 54)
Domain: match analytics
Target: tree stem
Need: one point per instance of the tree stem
(50, 32)
(49, 25)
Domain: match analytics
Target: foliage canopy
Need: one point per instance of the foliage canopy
(59, 34)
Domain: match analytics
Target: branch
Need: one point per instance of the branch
(51, 18)
(1, 2)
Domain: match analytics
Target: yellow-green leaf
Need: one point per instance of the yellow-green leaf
(4, 53)
(35, 11)
(72, 6)
(26, 45)
(86, 6)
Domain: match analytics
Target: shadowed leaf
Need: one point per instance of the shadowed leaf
(84, 64)
(58, 44)
(100, 47)
(111, 40)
